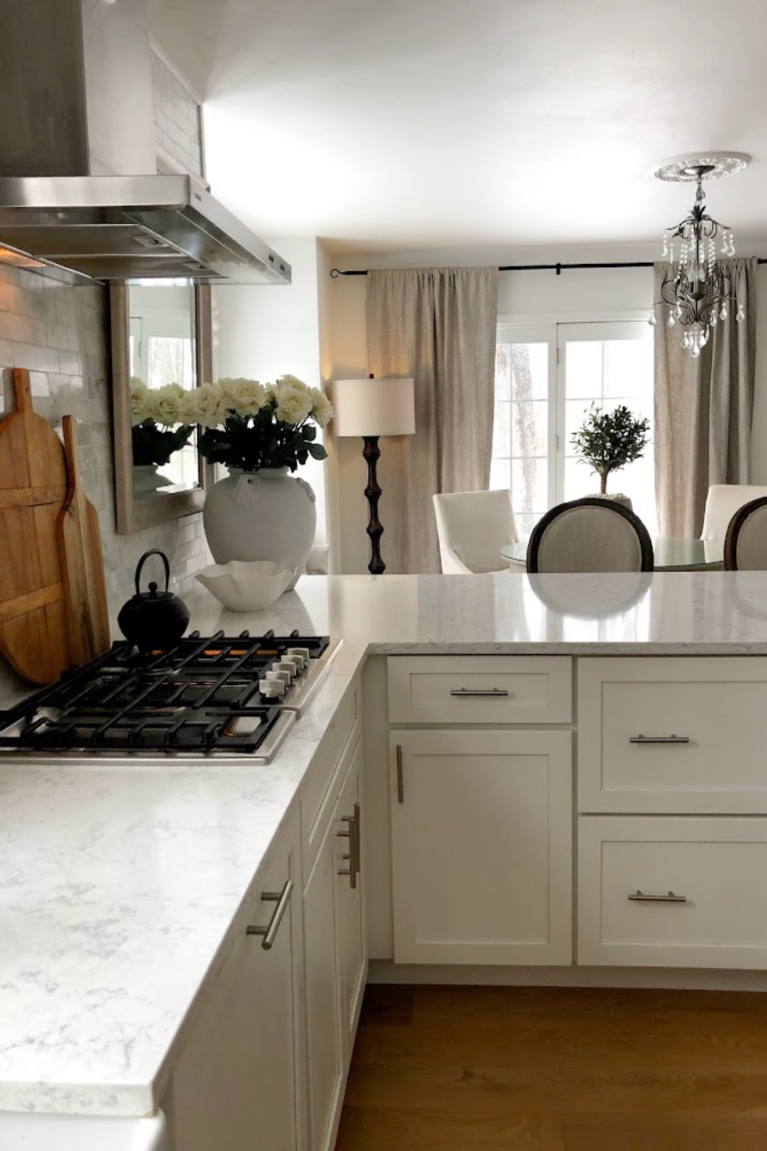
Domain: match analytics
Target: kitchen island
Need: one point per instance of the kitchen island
(124, 888)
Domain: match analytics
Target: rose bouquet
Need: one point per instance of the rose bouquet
(160, 426)
(247, 426)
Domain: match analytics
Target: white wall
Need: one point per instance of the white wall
(270, 330)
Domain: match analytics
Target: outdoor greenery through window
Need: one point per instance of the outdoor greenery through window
(547, 377)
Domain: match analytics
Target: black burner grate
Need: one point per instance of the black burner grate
(200, 696)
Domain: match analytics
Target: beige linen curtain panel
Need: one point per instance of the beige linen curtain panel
(437, 325)
(703, 409)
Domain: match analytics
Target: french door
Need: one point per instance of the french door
(547, 378)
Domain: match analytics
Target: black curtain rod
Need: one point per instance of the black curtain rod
(558, 268)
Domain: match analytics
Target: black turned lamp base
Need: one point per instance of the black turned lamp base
(371, 454)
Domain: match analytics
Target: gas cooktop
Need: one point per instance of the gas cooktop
(215, 695)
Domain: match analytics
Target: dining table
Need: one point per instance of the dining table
(670, 554)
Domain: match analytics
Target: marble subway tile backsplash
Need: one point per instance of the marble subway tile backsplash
(58, 330)
(177, 117)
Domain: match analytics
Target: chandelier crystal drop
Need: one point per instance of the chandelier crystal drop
(697, 291)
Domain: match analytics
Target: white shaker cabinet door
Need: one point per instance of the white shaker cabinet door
(234, 1088)
(350, 915)
(481, 844)
(324, 1047)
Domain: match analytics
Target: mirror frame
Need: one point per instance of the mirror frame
(133, 515)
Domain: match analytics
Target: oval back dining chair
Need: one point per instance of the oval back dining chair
(745, 544)
(590, 535)
(472, 528)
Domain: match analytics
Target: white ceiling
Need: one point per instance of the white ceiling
(401, 124)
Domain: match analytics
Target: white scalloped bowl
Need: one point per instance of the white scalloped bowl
(247, 585)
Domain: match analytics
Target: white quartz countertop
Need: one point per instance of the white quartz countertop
(668, 613)
(121, 887)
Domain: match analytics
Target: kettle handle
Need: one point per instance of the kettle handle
(139, 566)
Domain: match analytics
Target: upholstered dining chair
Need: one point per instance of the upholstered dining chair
(745, 544)
(590, 535)
(472, 528)
(722, 502)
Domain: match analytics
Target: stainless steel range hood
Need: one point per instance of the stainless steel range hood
(133, 227)
(78, 157)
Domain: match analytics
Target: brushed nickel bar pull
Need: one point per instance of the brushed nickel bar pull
(640, 897)
(659, 738)
(400, 777)
(357, 840)
(353, 869)
(282, 899)
(487, 692)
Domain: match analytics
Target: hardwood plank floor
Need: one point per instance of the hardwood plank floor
(557, 1069)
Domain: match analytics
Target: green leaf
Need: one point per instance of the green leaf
(608, 441)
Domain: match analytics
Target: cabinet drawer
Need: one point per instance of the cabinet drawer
(479, 689)
(713, 868)
(672, 735)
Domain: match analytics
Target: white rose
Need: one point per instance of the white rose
(245, 397)
(294, 400)
(204, 406)
(140, 401)
(322, 409)
(167, 405)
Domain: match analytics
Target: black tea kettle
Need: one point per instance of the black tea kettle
(153, 619)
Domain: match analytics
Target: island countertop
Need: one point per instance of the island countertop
(121, 883)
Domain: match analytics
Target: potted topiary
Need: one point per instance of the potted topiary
(607, 441)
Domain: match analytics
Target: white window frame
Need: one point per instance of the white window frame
(545, 328)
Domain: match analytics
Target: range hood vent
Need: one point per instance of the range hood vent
(133, 228)
(78, 182)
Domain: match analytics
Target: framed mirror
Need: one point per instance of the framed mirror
(161, 335)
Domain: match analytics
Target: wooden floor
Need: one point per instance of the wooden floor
(550, 1069)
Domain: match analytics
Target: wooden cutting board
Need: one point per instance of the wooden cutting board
(79, 544)
(33, 488)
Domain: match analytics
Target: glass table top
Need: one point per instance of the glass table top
(670, 554)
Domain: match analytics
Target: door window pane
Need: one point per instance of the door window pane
(500, 473)
(501, 428)
(606, 364)
(521, 427)
(529, 485)
(529, 428)
(522, 371)
(608, 372)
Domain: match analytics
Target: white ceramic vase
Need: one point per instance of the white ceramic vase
(264, 515)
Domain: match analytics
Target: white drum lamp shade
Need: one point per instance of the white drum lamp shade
(384, 407)
(371, 408)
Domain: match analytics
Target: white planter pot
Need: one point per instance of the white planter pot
(264, 515)
(618, 499)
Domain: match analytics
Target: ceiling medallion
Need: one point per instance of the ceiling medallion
(697, 289)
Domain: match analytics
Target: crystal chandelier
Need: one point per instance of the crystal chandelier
(697, 291)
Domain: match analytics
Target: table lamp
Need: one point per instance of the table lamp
(371, 408)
